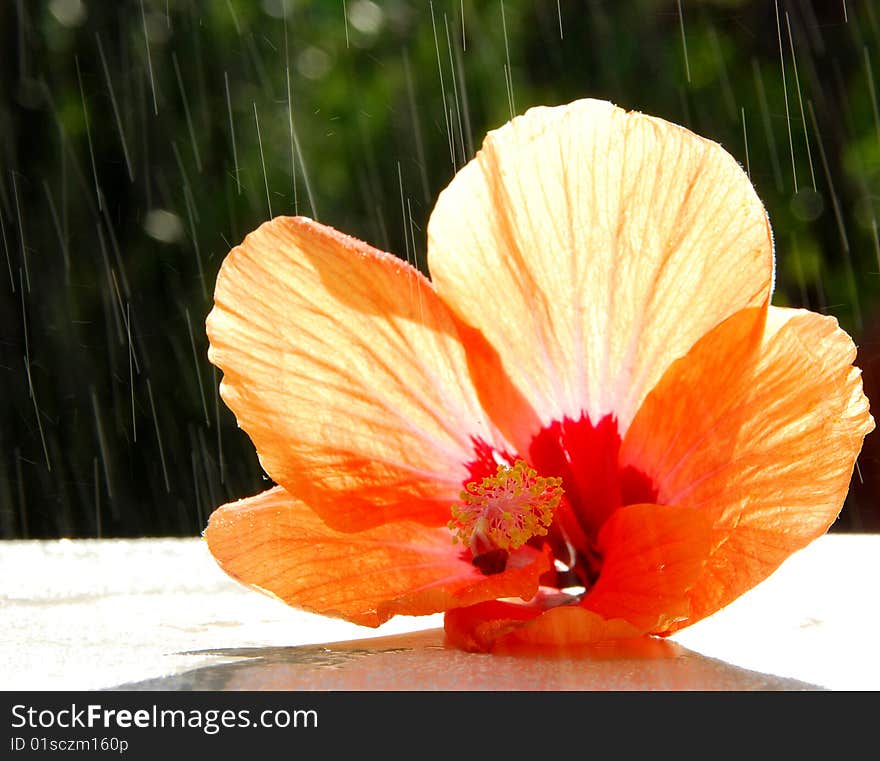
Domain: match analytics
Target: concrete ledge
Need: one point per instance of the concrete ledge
(159, 614)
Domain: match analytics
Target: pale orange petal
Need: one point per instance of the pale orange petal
(276, 544)
(567, 626)
(348, 374)
(592, 247)
(760, 436)
(501, 626)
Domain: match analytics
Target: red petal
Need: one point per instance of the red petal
(652, 557)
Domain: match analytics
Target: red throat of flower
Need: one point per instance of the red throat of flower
(501, 513)
(581, 484)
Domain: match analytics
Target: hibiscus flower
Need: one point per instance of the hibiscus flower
(588, 424)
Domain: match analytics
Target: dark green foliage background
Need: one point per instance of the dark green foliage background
(132, 439)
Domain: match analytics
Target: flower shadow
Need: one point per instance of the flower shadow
(421, 661)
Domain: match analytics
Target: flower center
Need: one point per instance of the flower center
(502, 512)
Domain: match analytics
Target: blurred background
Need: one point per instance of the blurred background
(141, 140)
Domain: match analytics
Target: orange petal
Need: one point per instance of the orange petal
(652, 556)
(500, 626)
(592, 247)
(276, 544)
(348, 374)
(759, 435)
(681, 417)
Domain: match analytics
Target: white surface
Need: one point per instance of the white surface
(816, 619)
(90, 614)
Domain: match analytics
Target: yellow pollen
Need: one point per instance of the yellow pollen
(504, 511)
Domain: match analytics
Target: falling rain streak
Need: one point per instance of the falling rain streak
(785, 98)
(138, 142)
